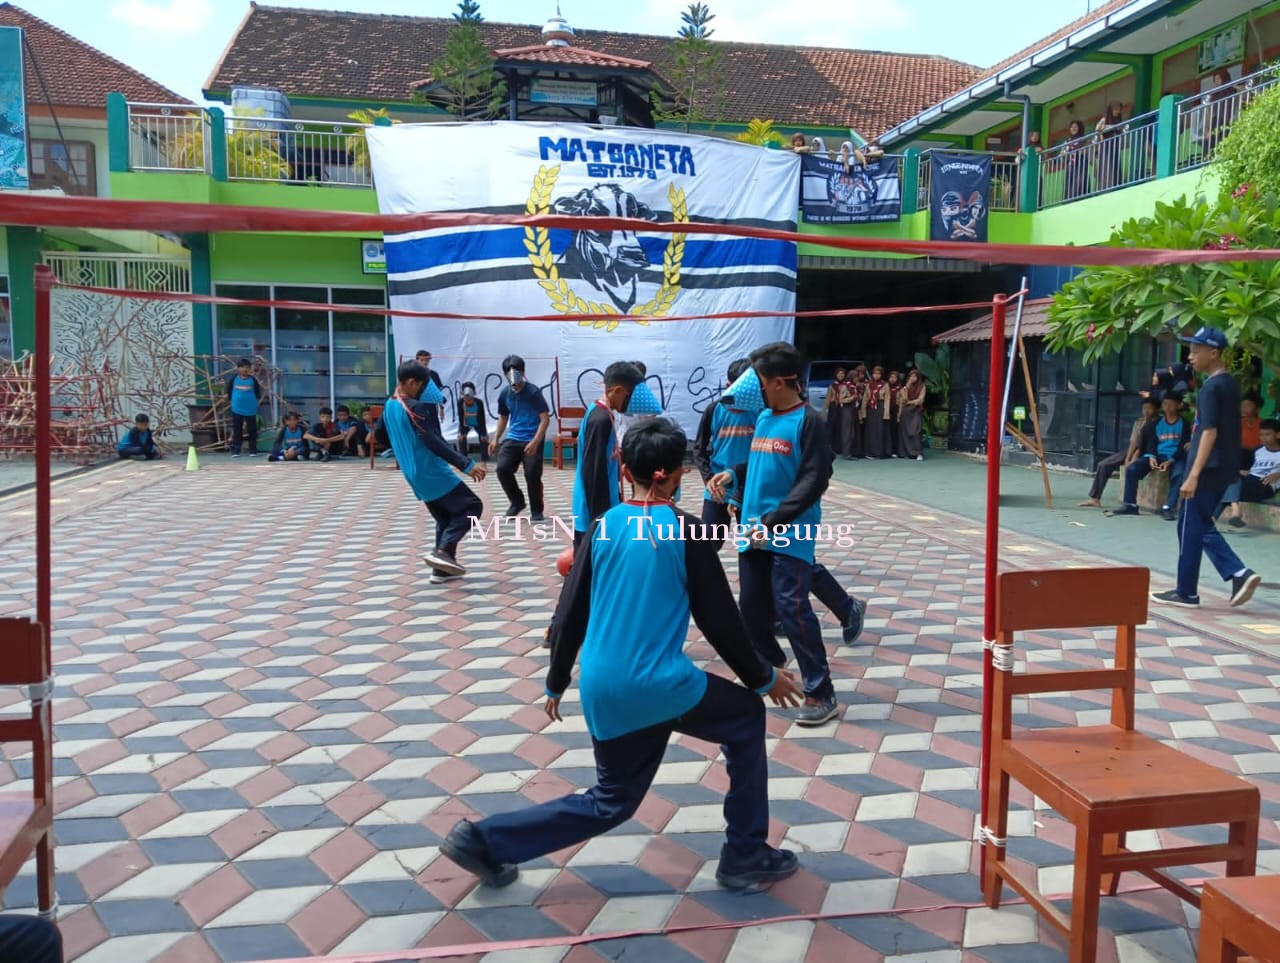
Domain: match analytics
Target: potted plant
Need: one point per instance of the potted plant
(936, 370)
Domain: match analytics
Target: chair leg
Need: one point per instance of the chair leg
(1086, 895)
(1112, 843)
(1245, 835)
(998, 813)
(1213, 946)
(46, 894)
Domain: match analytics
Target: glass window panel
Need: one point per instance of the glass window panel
(302, 351)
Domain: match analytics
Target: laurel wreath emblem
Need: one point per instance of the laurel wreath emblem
(537, 241)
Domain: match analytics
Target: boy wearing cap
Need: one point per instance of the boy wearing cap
(138, 441)
(1214, 465)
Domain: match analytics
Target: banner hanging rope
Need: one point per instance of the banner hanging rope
(29, 210)
(562, 318)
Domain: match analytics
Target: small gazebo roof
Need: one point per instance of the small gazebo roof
(570, 56)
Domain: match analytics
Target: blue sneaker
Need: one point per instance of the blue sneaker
(853, 624)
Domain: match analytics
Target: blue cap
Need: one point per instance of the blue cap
(431, 394)
(745, 394)
(643, 401)
(1209, 337)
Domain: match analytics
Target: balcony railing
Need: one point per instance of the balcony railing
(1205, 119)
(297, 152)
(1003, 195)
(1096, 163)
(167, 137)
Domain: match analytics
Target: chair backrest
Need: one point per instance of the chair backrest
(25, 661)
(1084, 598)
(569, 420)
(372, 413)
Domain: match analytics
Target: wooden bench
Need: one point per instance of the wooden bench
(26, 821)
(1106, 781)
(1240, 915)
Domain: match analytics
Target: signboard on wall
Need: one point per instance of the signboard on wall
(373, 257)
(13, 112)
(1223, 48)
(570, 93)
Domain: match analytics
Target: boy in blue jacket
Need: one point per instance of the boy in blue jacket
(781, 484)
(638, 686)
(138, 441)
(411, 421)
(596, 488)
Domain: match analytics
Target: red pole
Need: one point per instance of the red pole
(44, 494)
(995, 448)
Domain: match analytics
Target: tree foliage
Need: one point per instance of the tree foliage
(1102, 307)
(696, 73)
(762, 133)
(466, 84)
(1250, 152)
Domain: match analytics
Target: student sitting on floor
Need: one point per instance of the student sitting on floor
(352, 434)
(290, 445)
(324, 437)
(639, 687)
(138, 441)
(1164, 448)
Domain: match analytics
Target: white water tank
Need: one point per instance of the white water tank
(259, 102)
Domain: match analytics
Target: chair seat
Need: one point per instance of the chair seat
(1243, 911)
(22, 822)
(1107, 768)
(1257, 896)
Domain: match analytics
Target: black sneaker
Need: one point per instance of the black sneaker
(853, 624)
(537, 518)
(1243, 586)
(1173, 597)
(443, 563)
(514, 510)
(1236, 522)
(464, 846)
(325, 456)
(1168, 514)
(1125, 510)
(440, 578)
(778, 630)
(766, 865)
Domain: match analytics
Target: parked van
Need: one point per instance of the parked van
(817, 378)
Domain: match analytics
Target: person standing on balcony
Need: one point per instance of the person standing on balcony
(1109, 128)
(1075, 156)
(1220, 110)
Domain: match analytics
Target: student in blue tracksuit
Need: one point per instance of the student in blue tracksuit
(723, 440)
(638, 687)
(411, 422)
(1164, 445)
(782, 482)
(596, 487)
(290, 445)
(138, 442)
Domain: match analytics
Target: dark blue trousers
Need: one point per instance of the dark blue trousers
(133, 451)
(453, 512)
(775, 587)
(1196, 534)
(716, 513)
(1141, 468)
(29, 939)
(728, 715)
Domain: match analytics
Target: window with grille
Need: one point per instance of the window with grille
(65, 165)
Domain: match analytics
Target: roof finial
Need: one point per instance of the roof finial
(557, 32)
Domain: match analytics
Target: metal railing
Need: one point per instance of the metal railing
(1005, 172)
(1205, 119)
(1096, 163)
(297, 152)
(168, 137)
(133, 272)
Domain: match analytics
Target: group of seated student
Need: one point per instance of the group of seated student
(1163, 447)
(1260, 460)
(327, 438)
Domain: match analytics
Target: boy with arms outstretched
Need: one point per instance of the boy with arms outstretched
(638, 686)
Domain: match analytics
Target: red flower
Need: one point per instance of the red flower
(1242, 190)
(1090, 334)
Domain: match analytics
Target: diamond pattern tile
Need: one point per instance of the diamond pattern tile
(261, 743)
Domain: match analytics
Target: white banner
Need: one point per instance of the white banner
(655, 175)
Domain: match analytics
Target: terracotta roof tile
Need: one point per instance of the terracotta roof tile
(76, 74)
(542, 54)
(1035, 324)
(376, 58)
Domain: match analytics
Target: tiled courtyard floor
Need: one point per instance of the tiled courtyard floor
(267, 719)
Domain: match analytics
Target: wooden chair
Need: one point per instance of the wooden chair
(1104, 780)
(1240, 915)
(371, 415)
(568, 421)
(26, 821)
